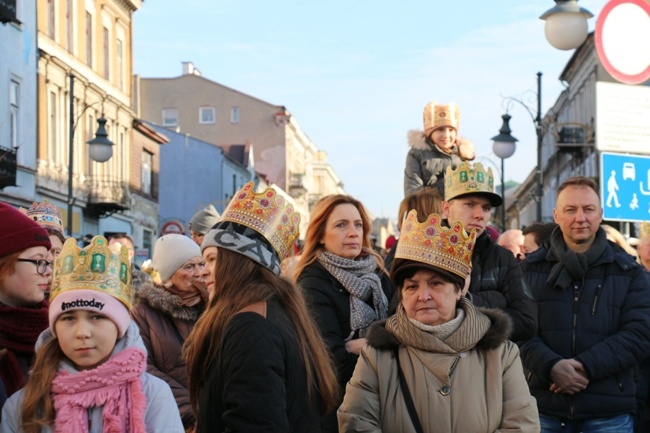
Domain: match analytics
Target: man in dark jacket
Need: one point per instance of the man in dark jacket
(497, 279)
(594, 320)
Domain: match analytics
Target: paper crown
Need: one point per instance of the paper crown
(438, 115)
(449, 249)
(268, 214)
(644, 229)
(95, 267)
(46, 215)
(470, 178)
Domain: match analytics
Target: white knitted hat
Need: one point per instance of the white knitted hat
(171, 252)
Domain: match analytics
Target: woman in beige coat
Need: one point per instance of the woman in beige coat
(439, 364)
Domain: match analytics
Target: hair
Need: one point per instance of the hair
(8, 266)
(616, 237)
(317, 226)
(409, 272)
(579, 181)
(119, 236)
(37, 407)
(241, 282)
(425, 200)
(541, 231)
(56, 233)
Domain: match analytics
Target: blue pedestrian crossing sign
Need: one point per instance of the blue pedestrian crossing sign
(625, 186)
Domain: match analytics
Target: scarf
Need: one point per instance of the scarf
(464, 337)
(361, 281)
(572, 266)
(19, 330)
(114, 385)
(197, 294)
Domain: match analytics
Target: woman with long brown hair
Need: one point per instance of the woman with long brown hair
(255, 358)
(344, 281)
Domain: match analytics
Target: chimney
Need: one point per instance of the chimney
(190, 69)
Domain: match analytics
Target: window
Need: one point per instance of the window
(170, 117)
(120, 65)
(14, 98)
(70, 25)
(51, 19)
(107, 66)
(146, 171)
(234, 115)
(52, 128)
(206, 115)
(89, 39)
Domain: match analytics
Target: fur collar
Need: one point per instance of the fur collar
(380, 338)
(158, 298)
(417, 140)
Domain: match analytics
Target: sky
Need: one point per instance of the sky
(356, 74)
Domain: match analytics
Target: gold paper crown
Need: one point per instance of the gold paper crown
(449, 249)
(644, 229)
(46, 215)
(438, 115)
(470, 178)
(95, 267)
(266, 213)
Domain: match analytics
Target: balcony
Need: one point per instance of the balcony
(572, 136)
(297, 186)
(7, 167)
(107, 195)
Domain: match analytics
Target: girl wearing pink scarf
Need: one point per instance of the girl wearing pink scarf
(89, 374)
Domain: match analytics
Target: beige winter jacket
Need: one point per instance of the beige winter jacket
(471, 382)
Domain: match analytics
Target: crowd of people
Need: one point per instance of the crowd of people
(452, 329)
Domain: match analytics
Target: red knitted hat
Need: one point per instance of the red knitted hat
(19, 232)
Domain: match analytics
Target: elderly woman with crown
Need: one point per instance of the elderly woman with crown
(439, 363)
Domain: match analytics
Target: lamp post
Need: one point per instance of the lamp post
(504, 146)
(537, 120)
(566, 24)
(100, 148)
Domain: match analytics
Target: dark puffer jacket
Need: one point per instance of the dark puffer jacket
(603, 322)
(330, 303)
(164, 325)
(498, 282)
(259, 382)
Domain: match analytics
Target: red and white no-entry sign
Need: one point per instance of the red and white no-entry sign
(622, 35)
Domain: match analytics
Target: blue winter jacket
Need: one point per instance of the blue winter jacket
(602, 321)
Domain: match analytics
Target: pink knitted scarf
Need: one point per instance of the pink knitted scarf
(115, 385)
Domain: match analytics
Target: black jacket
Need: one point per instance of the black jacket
(498, 282)
(603, 322)
(259, 383)
(330, 305)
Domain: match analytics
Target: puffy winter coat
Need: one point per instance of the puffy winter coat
(603, 322)
(498, 282)
(471, 382)
(259, 382)
(161, 415)
(330, 303)
(426, 164)
(164, 325)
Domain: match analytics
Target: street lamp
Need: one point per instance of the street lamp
(100, 149)
(504, 146)
(566, 24)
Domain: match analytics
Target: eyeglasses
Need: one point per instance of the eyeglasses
(41, 264)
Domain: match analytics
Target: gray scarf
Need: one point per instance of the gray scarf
(572, 266)
(362, 282)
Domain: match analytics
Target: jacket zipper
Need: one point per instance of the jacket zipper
(593, 308)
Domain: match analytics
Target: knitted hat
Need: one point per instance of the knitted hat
(440, 115)
(95, 278)
(46, 215)
(203, 220)
(260, 226)
(171, 252)
(19, 232)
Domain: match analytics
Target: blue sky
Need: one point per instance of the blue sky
(356, 74)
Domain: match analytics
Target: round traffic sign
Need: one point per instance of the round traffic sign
(622, 35)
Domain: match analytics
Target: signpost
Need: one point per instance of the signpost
(625, 187)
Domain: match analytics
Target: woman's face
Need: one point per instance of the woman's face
(344, 232)
(188, 274)
(444, 137)
(429, 298)
(26, 287)
(210, 259)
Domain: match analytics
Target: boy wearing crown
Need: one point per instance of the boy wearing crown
(435, 149)
(496, 279)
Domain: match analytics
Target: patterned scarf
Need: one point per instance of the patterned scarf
(362, 283)
(19, 330)
(115, 385)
